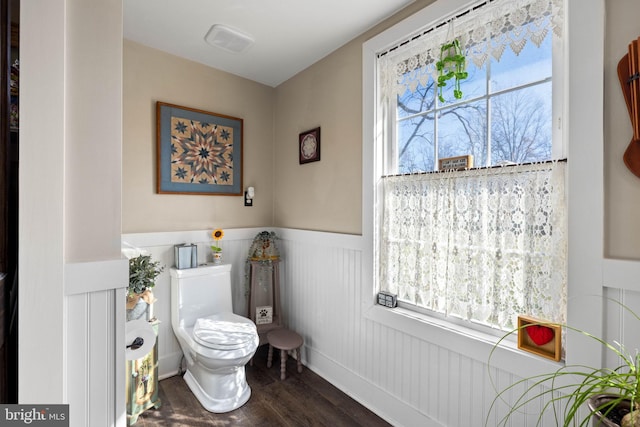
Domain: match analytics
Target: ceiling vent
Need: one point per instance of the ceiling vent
(228, 39)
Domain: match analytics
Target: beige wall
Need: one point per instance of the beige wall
(150, 76)
(622, 188)
(324, 195)
(93, 136)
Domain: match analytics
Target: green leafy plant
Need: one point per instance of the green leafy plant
(452, 65)
(572, 387)
(142, 273)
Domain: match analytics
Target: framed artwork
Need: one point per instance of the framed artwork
(309, 146)
(540, 337)
(198, 152)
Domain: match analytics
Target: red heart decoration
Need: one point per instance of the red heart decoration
(539, 334)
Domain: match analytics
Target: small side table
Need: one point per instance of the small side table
(142, 382)
(284, 340)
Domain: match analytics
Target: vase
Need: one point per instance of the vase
(139, 310)
(217, 257)
(598, 403)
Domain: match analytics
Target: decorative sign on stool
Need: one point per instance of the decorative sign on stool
(264, 284)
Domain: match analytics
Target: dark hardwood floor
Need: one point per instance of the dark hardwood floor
(300, 400)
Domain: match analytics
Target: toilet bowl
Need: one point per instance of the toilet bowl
(216, 343)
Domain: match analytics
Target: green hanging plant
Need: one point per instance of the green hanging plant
(452, 65)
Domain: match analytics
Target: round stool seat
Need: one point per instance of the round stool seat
(284, 340)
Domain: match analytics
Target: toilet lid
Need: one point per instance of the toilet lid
(224, 331)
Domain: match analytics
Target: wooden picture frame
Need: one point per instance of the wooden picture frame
(198, 152)
(309, 146)
(551, 349)
(456, 163)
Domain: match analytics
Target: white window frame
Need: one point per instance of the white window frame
(583, 138)
(558, 149)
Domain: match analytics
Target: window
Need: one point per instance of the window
(503, 117)
(486, 244)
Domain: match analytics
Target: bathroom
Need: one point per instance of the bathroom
(317, 209)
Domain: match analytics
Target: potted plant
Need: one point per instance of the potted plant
(609, 397)
(452, 65)
(142, 275)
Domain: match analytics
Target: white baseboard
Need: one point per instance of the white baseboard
(169, 365)
(385, 405)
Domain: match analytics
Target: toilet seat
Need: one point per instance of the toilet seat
(224, 331)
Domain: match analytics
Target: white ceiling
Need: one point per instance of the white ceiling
(290, 35)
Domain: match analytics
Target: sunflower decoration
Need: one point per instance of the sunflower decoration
(217, 235)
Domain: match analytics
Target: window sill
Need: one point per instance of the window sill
(465, 341)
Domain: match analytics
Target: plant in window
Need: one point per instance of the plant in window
(452, 65)
(612, 395)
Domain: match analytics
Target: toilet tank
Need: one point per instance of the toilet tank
(200, 292)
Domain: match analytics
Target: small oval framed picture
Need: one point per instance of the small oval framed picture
(309, 146)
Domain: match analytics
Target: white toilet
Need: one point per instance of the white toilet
(216, 343)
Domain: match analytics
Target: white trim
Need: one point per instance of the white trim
(162, 238)
(169, 364)
(585, 134)
(584, 138)
(85, 277)
(475, 344)
(386, 406)
(621, 274)
(119, 358)
(346, 241)
(144, 240)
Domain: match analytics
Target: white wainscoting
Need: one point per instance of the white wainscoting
(406, 379)
(95, 342)
(411, 374)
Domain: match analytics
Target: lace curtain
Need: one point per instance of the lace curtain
(484, 33)
(483, 245)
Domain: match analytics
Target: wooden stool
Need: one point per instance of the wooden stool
(284, 340)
